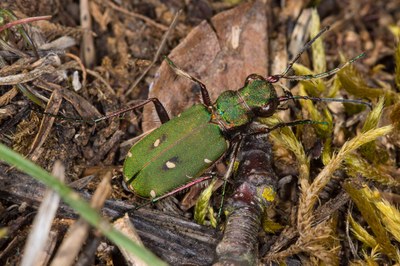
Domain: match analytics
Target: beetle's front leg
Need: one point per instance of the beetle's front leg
(204, 92)
(260, 129)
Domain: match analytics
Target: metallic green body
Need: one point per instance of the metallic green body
(174, 154)
(184, 147)
(237, 108)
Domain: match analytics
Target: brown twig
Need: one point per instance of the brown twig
(79, 61)
(102, 80)
(23, 21)
(88, 49)
(136, 15)
(155, 58)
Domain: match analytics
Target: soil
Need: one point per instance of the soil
(83, 62)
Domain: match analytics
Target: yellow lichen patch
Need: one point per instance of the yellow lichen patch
(269, 194)
(270, 226)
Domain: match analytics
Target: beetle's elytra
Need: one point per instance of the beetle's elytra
(174, 154)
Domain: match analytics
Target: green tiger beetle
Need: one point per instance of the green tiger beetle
(175, 155)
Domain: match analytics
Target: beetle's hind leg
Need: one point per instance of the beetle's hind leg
(181, 188)
(204, 92)
(160, 109)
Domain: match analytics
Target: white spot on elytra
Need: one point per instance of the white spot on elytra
(153, 194)
(156, 143)
(207, 160)
(170, 165)
(129, 154)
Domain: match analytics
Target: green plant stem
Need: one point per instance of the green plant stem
(78, 204)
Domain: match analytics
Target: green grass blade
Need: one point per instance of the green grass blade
(78, 204)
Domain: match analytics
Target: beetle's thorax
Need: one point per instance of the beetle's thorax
(235, 109)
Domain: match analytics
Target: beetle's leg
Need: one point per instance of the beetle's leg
(295, 123)
(287, 95)
(204, 92)
(232, 160)
(188, 185)
(259, 129)
(160, 109)
(282, 108)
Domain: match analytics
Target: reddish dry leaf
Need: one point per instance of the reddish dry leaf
(221, 55)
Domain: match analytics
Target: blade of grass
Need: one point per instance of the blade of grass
(79, 205)
(318, 52)
(201, 208)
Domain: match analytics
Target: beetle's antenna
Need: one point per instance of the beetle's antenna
(276, 78)
(327, 73)
(290, 124)
(317, 99)
(305, 47)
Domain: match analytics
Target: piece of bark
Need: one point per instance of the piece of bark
(173, 239)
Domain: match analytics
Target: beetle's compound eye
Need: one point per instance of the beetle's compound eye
(253, 77)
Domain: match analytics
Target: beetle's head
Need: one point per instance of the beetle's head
(262, 97)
